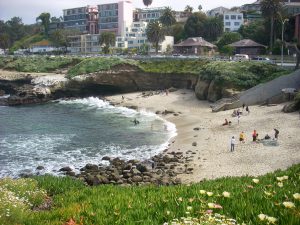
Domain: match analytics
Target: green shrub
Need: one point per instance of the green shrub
(242, 75)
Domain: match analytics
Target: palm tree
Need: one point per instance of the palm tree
(155, 34)
(107, 39)
(45, 18)
(147, 2)
(167, 18)
(270, 9)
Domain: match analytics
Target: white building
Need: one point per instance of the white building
(43, 47)
(135, 37)
(233, 21)
(86, 43)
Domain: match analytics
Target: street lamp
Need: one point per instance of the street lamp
(282, 30)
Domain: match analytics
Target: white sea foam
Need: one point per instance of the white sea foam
(29, 151)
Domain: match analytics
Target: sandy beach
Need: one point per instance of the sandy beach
(211, 157)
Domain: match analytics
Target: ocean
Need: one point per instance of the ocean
(76, 132)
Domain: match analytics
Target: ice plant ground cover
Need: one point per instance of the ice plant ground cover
(233, 201)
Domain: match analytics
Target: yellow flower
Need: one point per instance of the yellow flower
(271, 219)
(262, 217)
(168, 212)
(296, 196)
(285, 177)
(255, 181)
(280, 184)
(180, 199)
(211, 205)
(279, 178)
(203, 192)
(209, 193)
(289, 204)
(226, 194)
(189, 208)
(191, 199)
(268, 193)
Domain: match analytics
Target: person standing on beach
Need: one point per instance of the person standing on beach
(247, 109)
(243, 106)
(254, 135)
(238, 118)
(232, 144)
(276, 133)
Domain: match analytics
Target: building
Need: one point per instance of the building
(43, 47)
(255, 6)
(195, 46)
(248, 47)
(84, 44)
(233, 21)
(76, 18)
(114, 17)
(147, 14)
(181, 16)
(292, 8)
(217, 11)
(135, 37)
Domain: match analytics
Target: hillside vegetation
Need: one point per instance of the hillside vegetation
(270, 199)
(37, 64)
(242, 75)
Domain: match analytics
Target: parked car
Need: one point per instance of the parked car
(262, 59)
(241, 57)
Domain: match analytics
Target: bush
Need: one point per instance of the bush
(242, 75)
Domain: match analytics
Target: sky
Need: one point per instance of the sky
(28, 10)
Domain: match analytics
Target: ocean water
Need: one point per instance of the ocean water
(74, 133)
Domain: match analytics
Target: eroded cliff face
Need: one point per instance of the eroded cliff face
(45, 88)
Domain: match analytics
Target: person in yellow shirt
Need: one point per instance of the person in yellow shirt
(242, 137)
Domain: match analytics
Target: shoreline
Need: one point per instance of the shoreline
(204, 142)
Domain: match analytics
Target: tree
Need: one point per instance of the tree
(213, 28)
(107, 39)
(270, 9)
(60, 37)
(177, 31)
(167, 18)
(4, 41)
(194, 26)
(200, 7)
(188, 9)
(45, 19)
(15, 29)
(147, 2)
(155, 34)
(255, 31)
(226, 39)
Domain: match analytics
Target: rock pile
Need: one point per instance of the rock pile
(160, 170)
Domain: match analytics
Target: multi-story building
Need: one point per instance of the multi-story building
(115, 17)
(148, 14)
(83, 44)
(217, 11)
(255, 6)
(76, 18)
(233, 21)
(135, 37)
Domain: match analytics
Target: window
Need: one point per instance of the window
(134, 30)
(141, 41)
(227, 29)
(239, 17)
(227, 24)
(236, 24)
(226, 17)
(130, 42)
(233, 17)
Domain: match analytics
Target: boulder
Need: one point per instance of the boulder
(40, 168)
(142, 168)
(194, 144)
(106, 158)
(91, 167)
(201, 89)
(65, 169)
(214, 92)
(136, 179)
(291, 107)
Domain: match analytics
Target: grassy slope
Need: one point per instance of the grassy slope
(26, 41)
(156, 205)
(241, 74)
(37, 64)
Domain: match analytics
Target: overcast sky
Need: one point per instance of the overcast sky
(28, 10)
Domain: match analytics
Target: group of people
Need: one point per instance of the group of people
(242, 138)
